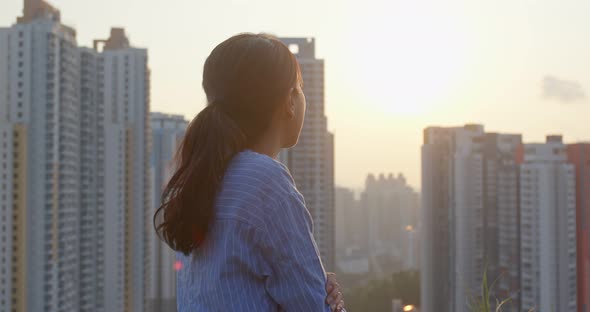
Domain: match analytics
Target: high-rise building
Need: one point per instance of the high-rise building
(501, 216)
(39, 163)
(469, 182)
(92, 192)
(391, 206)
(435, 219)
(74, 187)
(167, 133)
(464, 222)
(409, 259)
(116, 220)
(311, 162)
(352, 232)
(548, 227)
(348, 220)
(579, 156)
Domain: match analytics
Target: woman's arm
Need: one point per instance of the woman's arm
(297, 280)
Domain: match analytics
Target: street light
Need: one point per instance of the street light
(409, 308)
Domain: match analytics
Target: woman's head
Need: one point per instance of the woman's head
(253, 86)
(256, 80)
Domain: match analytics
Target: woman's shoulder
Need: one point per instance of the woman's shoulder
(258, 177)
(253, 184)
(261, 170)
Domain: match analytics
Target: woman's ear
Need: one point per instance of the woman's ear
(291, 104)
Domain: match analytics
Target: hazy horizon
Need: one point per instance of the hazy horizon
(392, 67)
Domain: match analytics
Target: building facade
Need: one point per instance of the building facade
(502, 216)
(116, 218)
(579, 156)
(548, 227)
(74, 187)
(348, 221)
(167, 133)
(127, 106)
(467, 237)
(352, 230)
(469, 183)
(39, 163)
(311, 161)
(435, 219)
(391, 206)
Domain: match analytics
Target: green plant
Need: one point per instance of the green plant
(484, 302)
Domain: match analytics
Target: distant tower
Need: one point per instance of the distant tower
(409, 258)
(349, 222)
(469, 216)
(501, 215)
(435, 266)
(311, 162)
(167, 134)
(579, 156)
(548, 227)
(115, 144)
(390, 204)
(36, 9)
(39, 163)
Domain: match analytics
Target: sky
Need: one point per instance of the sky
(392, 67)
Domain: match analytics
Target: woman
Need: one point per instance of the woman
(233, 213)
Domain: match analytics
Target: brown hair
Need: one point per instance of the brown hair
(244, 79)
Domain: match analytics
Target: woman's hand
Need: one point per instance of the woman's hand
(334, 299)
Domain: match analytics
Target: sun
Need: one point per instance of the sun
(415, 65)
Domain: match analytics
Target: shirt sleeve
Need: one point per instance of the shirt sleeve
(297, 280)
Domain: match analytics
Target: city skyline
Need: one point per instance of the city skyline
(75, 178)
(84, 157)
(484, 63)
(499, 209)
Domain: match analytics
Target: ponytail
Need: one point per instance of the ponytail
(187, 208)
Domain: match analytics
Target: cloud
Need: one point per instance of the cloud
(564, 91)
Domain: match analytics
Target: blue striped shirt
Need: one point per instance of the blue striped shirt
(260, 254)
